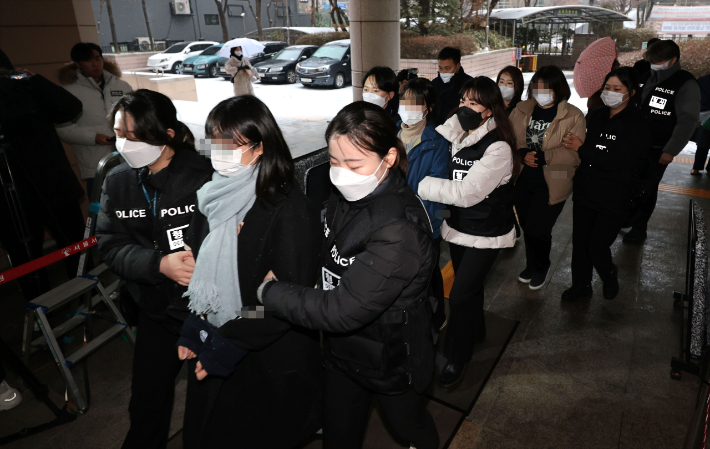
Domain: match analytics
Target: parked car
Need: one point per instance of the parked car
(172, 58)
(270, 48)
(329, 66)
(282, 66)
(203, 64)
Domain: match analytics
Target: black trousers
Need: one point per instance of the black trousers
(66, 224)
(155, 367)
(345, 411)
(467, 323)
(701, 158)
(537, 218)
(645, 208)
(593, 233)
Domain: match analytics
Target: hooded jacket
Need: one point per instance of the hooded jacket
(430, 157)
(494, 169)
(97, 103)
(560, 163)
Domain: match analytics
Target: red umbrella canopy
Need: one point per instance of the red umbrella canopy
(592, 66)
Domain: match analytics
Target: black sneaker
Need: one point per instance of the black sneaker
(526, 275)
(538, 279)
(573, 293)
(611, 284)
(635, 236)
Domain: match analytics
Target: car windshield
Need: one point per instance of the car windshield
(288, 54)
(213, 50)
(177, 48)
(330, 51)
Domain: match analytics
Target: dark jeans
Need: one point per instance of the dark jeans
(467, 323)
(155, 367)
(537, 218)
(701, 157)
(643, 211)
(65, 223)
(345, 412)
(593, 233)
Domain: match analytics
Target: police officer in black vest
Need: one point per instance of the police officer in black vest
(372, 301)
(147, 204)
(670, 100)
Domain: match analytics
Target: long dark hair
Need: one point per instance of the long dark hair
(248, 121)
(153, 114)
(369, 128)
(628, 77)
(421, 89)
(485, 92)
(555, 78)
(518, 82)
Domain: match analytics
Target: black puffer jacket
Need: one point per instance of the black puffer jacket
(132, 241)
(372, 301)
(614, 157)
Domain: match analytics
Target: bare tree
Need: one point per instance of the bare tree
(257, 17)
(112, 25)
(147, 25)
(424, 16)
(314, 12)
(268, 13)
(222, 10)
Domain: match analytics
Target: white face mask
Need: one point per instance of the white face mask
(374, 99)
(659, 67)
(238, 53)
(410, 118)
(446, 77)
(138, 154)
(229, 162)
(613, 99)
(544, 97)
(507, 92)
(354, 186)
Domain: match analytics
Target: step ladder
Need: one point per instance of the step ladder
(40, 307)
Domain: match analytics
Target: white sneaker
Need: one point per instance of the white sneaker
(9, 397)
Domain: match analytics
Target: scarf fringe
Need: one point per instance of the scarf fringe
(204, 298)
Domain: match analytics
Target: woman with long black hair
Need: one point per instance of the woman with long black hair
(479, 192)
(372, 301)
(147, 205)
(511, 84)
(613, 156)
(254, 380)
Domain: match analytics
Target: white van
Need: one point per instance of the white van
(172, 58)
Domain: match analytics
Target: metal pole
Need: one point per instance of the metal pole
(288, 28)
(488, 19)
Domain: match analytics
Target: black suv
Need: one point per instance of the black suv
(329, 66)
(269, 49)
(282, 66)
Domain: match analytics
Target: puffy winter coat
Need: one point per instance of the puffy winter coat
(373, 303)
(560, 163)
(243, 75)
(132, 241)
(492, 170)
(429, 158)
(81, 132)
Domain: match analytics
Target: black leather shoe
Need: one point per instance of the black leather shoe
(452, 374)
(526, 275)
(635, 236)
(573, 293)
(611, 284)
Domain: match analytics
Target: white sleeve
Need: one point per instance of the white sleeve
(483, 177)
(78, 135)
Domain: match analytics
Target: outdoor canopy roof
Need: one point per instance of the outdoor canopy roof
(558, 14)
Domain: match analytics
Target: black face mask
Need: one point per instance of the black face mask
(468, 118)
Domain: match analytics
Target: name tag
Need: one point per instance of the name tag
(116, 93)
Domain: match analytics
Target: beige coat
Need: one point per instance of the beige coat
(560, 163)
(242, 78)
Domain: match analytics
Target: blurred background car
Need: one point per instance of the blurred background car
(329, 66)
(281, 68)
(171, 59)
(204, 64)
(270, 48)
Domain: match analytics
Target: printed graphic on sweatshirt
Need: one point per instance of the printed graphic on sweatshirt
(330, 279)
(176, 237)
(535, 133)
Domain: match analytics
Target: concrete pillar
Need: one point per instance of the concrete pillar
(374, 38)
(38, 34)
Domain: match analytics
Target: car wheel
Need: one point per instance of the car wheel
(213, 71)
(291, 76)
(339, 81)
(177, 68)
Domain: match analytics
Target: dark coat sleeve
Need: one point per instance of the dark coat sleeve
(295, 251)
(123, 254)
(58, 105)
(371, 285)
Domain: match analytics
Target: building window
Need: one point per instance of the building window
(211, 19)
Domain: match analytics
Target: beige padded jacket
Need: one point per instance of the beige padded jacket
(560, 163)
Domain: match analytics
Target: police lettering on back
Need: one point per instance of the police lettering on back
(171, 212)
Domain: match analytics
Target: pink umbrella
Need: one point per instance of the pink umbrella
(592, 66)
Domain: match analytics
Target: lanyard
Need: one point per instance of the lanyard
(152, 204)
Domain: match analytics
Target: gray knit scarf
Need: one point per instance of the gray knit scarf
(214, 287)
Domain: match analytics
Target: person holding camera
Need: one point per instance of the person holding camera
(98, 84)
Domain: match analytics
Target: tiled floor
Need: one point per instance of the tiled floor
(593, 374)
